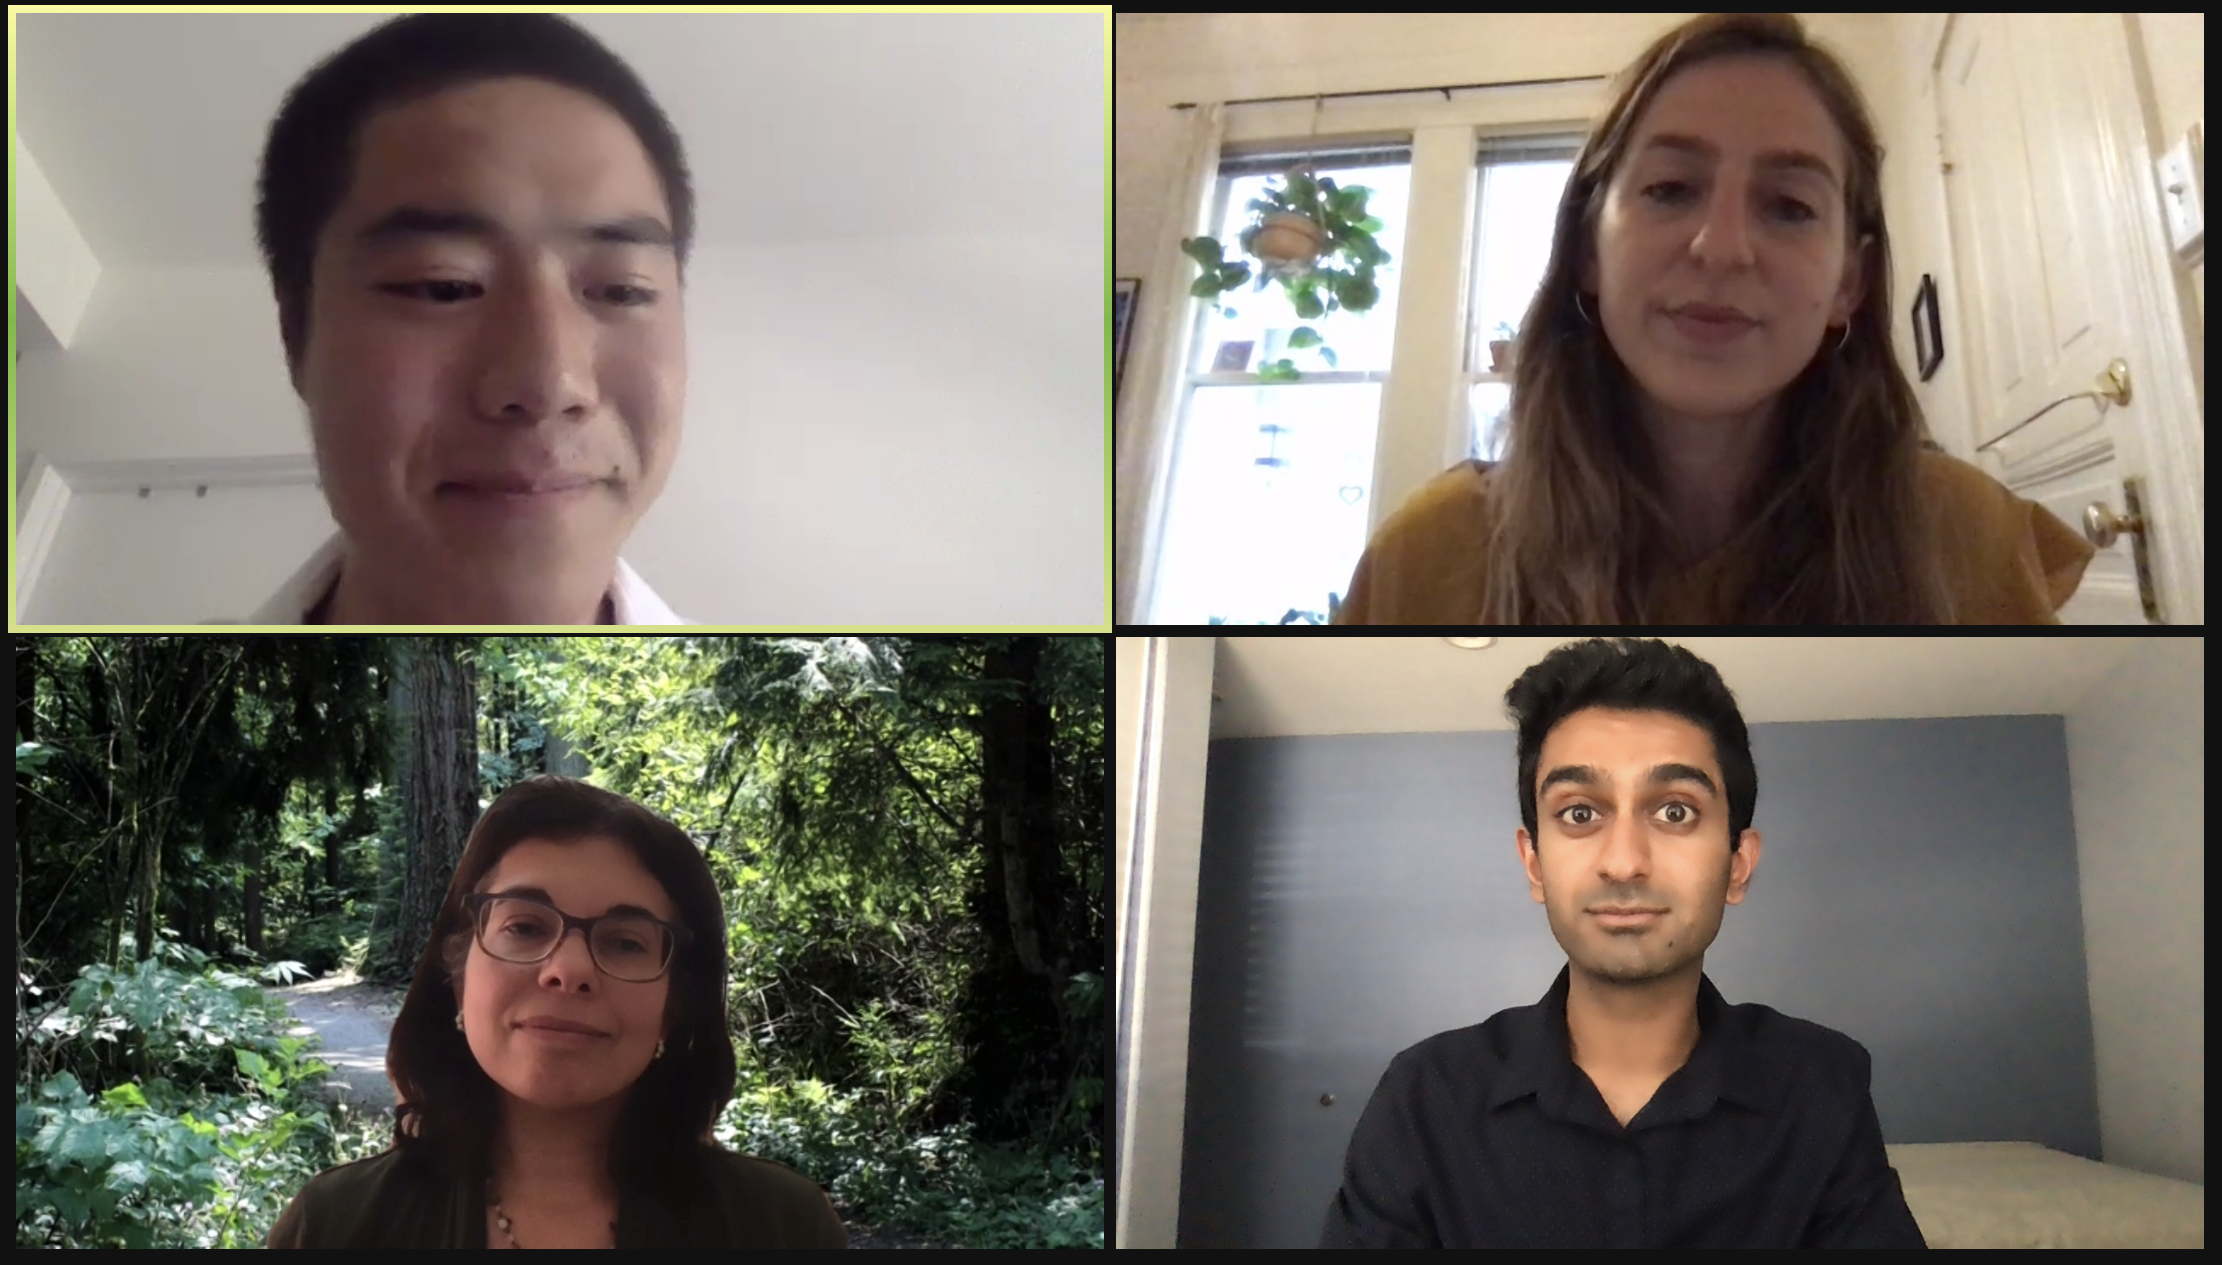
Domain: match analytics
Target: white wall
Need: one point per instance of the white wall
(1164, 801)
(877, 431)
(194, 558)
(2175, 83)
(2137, 757)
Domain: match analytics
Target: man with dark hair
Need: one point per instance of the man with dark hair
(477, 227)
(1632, 1106)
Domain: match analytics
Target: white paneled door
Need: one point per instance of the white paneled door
(2063, 269)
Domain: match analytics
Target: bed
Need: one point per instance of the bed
(2021, 1194)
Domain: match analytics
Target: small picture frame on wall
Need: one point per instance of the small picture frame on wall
(1928, 335)
(1233, 357)
(1123, 293)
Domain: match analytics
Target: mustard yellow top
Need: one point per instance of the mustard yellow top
(2009, 560)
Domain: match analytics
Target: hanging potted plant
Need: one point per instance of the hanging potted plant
(1316, 240)
(1500, 348)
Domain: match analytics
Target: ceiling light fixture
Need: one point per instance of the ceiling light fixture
(1472, 643)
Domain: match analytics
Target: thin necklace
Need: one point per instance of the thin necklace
(501, 1219)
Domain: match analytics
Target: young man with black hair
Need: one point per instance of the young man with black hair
(477, 227)
(1632, 1106)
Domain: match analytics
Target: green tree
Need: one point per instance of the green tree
(434, 709)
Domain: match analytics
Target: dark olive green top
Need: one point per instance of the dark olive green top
(385, 1201)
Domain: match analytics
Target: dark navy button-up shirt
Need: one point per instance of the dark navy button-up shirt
(1490, 1136)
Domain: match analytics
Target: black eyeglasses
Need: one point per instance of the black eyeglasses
(626, 946)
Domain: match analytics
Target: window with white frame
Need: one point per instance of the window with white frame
(1521, 181)
(1268, 505)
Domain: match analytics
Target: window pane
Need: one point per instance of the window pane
(1519, 200)
(1488, 410)
(1246, 543)
(1265, 318)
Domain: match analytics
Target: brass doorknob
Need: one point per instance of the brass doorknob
(2102, 526)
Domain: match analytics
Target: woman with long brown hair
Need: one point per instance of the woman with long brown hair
(559, 1090)
(1708, 421)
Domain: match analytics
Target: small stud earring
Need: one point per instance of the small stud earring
(659, 1048)
(458, 1021)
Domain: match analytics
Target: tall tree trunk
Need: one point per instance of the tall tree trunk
(252, 909)
(116, 858)
(204, 920)
(26, 730)
(163, 691)
(438, 755)
(1018, 790)
(127, 684)
(562, 759)
(358, 817)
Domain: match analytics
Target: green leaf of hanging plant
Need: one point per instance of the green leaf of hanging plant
(1204, 250)
(1328, 353)
(1303, 336)
(1307, 304)
(1278, 371)
(1371, 224)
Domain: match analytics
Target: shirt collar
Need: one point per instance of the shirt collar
(1542, 1060)
(631, 600)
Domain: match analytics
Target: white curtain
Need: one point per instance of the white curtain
(1149, 402)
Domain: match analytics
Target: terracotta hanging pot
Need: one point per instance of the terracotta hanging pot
(1289, 243)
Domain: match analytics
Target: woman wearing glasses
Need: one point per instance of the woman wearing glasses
(558, 1090)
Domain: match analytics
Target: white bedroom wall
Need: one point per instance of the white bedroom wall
(2137, 758)
(213, 557)
(878, 430)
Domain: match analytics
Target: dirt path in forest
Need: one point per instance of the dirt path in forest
(353, 1017)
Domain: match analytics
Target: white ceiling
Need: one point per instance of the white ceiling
(149, 126)
(1284, 686)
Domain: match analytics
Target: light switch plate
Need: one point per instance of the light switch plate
(2182, 172)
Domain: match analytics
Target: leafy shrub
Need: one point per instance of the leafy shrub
(354, 955)
(153, 1020)
(939, 1185)
(141, 1169)
(195, 1129)
(320, 942)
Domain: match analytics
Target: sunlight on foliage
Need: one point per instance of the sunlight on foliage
(914, 1029)
(207, 1153)
(937, 1184)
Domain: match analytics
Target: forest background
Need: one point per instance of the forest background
(910, 835)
